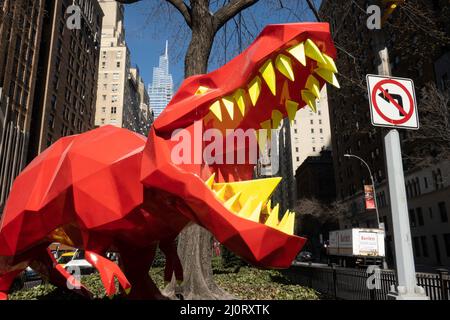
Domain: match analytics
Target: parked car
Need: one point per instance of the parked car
(75, 262)
(31, 275)
(304, 256)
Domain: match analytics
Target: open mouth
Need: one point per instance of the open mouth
(241, 199)
(285, 82)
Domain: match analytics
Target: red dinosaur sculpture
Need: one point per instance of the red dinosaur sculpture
(110, 189)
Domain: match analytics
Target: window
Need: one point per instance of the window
(423, 241)
(314, 149)
(114, 98)
(412, 218)
(115, 87)
(443, 211)
(312, 130)
(104, 97)
(416, 247)
(102, 121)
(119, 54)
(113, 110)
(118, 64)
(430, 213)
(115, 76)
(312, 121)
(106, 75)
(447, 243)
(420, 216)
(103, 109)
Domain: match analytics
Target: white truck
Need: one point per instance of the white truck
(358, 247)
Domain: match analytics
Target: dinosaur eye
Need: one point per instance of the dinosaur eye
(201, 90)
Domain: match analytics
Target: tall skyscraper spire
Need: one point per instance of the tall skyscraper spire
(161, 89)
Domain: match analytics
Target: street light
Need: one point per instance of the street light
(373, 183)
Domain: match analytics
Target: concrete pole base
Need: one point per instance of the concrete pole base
(401, 294)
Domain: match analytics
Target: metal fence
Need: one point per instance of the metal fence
(351, 284)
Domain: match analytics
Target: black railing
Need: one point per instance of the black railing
(352, 284)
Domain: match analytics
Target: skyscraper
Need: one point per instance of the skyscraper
(161, 89)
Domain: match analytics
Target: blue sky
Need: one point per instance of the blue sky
(146, 34)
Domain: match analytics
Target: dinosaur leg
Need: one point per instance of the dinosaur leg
(6, 281)
(58, 276)
(173, 263)
(108, 271)
(136, 265)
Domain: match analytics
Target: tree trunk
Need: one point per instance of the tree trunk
(195, 243)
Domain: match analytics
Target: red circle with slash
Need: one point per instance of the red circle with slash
(378, 87)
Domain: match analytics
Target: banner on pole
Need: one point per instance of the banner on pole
(369, 197)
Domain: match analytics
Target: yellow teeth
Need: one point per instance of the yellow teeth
(254, 90)
(247, 189)
(313, 85)
(267, 125)
(298, 52)
(220, 193)
(284, 65)
(291, 108)
(330, 65)
(287, 223)
(250, 199)
(273, 221)
(201, 90)
(229, 106)
(313, 52)
(256, 213)
(209, 183)
(277, 117)
(268, 74)
(233, 204)
(216, 110)
(239, 96)
(328, 76)
(310, 99)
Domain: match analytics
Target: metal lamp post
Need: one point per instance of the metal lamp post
(373, 183)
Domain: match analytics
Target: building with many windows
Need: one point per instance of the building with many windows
(414, 54)
(310, 132)
(20, 35)
(66, 89)
(161, 88)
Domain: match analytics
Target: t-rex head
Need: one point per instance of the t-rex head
(281, 72)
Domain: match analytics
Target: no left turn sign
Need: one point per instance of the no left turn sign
(392, 102)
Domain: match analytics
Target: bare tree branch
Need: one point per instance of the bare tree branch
(184, 9)
(230, 10)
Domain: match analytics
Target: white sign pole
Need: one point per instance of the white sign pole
(406, 273)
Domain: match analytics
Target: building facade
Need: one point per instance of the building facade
(161, 88)
(310, 132)
(118, 98)
(20, 35)
(315, 178)
(414, 54)
(66, 87)
(113, 87)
